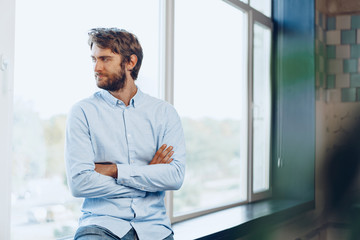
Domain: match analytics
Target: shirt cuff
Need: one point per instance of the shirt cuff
(123, 176)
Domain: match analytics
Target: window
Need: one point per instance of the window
(219, 55)
(53, 70)
(263, 6)
(210, 94)
(222, 91)
(261, 108)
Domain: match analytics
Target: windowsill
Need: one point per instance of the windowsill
(236, 222)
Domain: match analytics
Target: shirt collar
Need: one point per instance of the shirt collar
(135, 101)
(113, 101)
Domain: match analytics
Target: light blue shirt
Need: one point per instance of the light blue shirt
(102, 129)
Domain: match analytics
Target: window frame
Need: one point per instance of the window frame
(7, 52)
(166, 89)
(257, 17)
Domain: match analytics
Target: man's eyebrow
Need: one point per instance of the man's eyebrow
(103, 56)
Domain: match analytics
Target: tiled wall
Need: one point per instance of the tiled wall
(320, 61)
(338, 57)
(337, 44)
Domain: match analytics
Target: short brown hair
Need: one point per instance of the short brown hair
(119, 41)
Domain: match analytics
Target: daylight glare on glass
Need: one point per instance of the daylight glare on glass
(210, 96)
(53, 70)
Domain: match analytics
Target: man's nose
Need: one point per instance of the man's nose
(98, 66)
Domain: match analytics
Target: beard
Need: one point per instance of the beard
(113, 81)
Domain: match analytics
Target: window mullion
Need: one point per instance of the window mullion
(7, 25)
(6, 107)
(250, 103)
(167, 50)
(257, 17)
(166, 71)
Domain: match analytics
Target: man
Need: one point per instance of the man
(124, 148)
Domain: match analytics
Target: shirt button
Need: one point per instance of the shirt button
(132, 161)
(129, 135)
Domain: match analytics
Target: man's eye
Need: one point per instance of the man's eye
(93, 60)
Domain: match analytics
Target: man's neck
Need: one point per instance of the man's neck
(126, 93)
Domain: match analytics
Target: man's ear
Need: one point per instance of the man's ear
(132, 63)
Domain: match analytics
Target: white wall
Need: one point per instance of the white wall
(7, 30)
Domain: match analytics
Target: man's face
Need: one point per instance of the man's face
(109, 69)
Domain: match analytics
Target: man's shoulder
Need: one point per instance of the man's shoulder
(156, 103)
(159, 108)
(87, 103)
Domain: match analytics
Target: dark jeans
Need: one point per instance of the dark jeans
(95, 232)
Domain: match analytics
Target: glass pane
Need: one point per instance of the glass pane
(53, 70)
(261, 108)
(263, 6)
(211, 98)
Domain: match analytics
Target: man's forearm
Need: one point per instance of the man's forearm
(107, 169)
(89, 184)
(152, 178)
(162, 156)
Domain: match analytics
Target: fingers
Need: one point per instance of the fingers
(158, 152)
(167, 157)
(163, 155)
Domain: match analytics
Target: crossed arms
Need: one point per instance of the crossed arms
(92, 180)
(162, 156)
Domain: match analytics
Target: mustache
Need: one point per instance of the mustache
(100, 74)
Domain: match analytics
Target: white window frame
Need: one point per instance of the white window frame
(7, 46)
(166, 86)
(255, 17)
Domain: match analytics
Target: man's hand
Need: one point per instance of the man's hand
(163, 155)
(108, 169)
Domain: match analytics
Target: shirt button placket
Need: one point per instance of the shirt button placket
(129, 136)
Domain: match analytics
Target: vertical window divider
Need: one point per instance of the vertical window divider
(7, 45)
(166, 71)
(256, 17)
(6, 106)
(167, 50)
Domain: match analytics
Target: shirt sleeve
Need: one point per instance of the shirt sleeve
(159, 177)
(82, 179)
